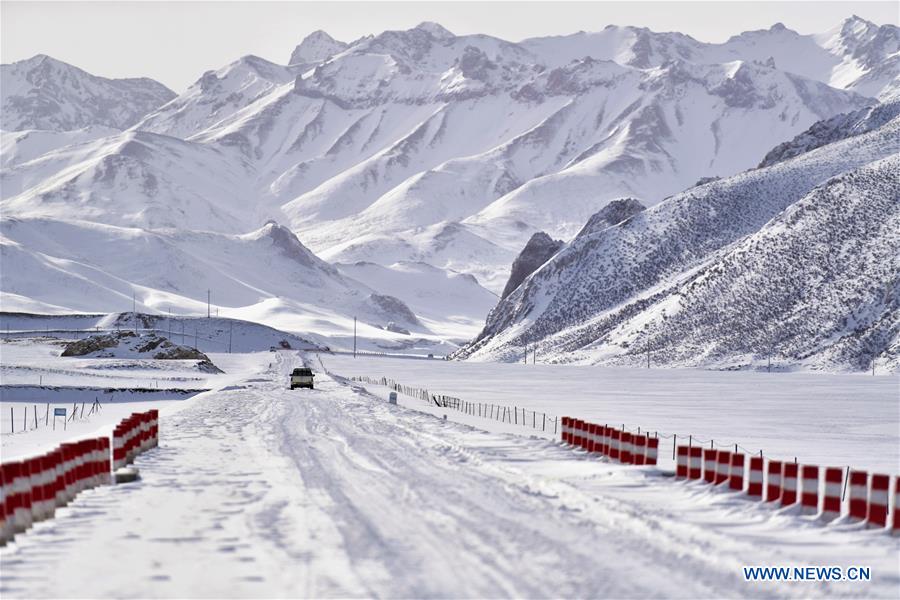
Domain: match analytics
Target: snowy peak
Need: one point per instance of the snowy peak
(435, 30)
(44, 93)
(289, 245)
(315, 48)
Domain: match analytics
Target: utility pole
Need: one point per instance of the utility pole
(170, 322)
(354, 337)
(207, 304)
(230, 331)
(648, 356)
(134, 310)
(182, 333)
(195, 339)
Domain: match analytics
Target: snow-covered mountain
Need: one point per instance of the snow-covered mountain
(44, 93)
(419, 156)
(796, 260)
(855, 54)
(420, 145)
(266, 275)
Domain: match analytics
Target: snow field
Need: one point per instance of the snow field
(259, 491)
(823, 419)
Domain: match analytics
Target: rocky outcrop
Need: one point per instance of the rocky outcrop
(536, 252)
(612, 214)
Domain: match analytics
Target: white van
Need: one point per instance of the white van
(302, 377)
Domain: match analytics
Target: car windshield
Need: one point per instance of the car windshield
(302, 372)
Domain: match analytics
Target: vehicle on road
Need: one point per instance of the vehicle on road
(302, 377)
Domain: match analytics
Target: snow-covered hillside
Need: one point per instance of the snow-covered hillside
(267, 276)
(796, 261)
(414, 147)
(44, 93)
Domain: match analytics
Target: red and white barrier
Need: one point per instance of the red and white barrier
(32, 489)
(626, 451)
(652, 450)
(878, 500)
(576, 433)
(755, 478)
(789, 484)
(614, 446)
(859, 495)
(695, 462)
(785, 483)
(723, 464)
(593, 441)
(135, 434)
(831, 500)
(709, 465)
(639, 443)
(773, 485)
(681, 464)
(736, 476)
(809, 491)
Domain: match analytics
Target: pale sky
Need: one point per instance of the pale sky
(176, 42)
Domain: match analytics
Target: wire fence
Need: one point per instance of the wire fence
(42, 415)
(514, 415)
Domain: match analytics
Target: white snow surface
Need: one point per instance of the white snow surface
(264, 492)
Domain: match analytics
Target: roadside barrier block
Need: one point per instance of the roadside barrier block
(859, 495)
(878, 500)
(652, 450)
(789, 484)
(614, 444)
(709, 465)
(773, 485)
(626, 456)
(640, 449)
(809, 491)
(695, 462)
(755, 478)
(736, 475)
(831, 501)
(681, 464)
(723, 464)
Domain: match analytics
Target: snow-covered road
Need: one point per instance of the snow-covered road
(257, 491)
